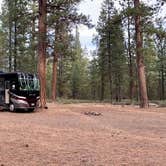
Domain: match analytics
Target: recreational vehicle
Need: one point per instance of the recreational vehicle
(19, 90)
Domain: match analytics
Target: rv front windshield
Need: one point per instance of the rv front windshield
(28, 82)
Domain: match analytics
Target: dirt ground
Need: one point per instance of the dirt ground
(74, 135)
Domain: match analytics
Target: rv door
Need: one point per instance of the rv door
(2, 91)
(7, 87)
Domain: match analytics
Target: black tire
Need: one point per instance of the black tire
(31, 109)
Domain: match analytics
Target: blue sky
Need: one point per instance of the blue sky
(91, 8)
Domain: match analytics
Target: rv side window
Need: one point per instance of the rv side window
(28, 82)
(1, 84)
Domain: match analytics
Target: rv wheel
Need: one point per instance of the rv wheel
(11, 107)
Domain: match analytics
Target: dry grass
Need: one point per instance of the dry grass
(64, 135)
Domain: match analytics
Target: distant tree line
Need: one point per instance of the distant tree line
(129, 61)
(130, 58)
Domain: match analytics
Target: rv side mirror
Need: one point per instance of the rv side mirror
(13, 86)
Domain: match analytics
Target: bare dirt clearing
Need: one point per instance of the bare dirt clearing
(65, 135)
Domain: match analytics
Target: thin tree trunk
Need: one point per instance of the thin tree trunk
(110, 65)
(102, 87)
(42, 52)
(130, 63)
(140, 60)
(109, 57)
(102, 90)
(10, 38)
(15, 46)
(55, 64)
(162, 82)
(159, 85)
(10, 48)
(116, 87)
(33, 44)
(119, 89)
(54, 75)
(60, 87)
(162, 74)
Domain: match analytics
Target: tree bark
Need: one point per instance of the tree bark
(102, 88)
(54, 75)
(60, 76)
(131, 85)
(42, 52)
(33, 43)
(15, 40)
(162, 73)
(162, 82)
(102, 91)
(55, 63)
(110, 64)
(140, 59)
(109, 56)
(10, 37)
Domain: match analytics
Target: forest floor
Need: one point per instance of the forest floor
(84, 135)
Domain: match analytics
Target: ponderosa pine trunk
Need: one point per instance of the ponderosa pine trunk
(15, 38)
(33, 43)
(140, 59)
(42, 52)
(102, 79)
(10, 37)
(162, 82)
(54, 75)
(55, 64)
(10, 47)
(102, 87)
(110, 64)
(131, 85)
(109, 57)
